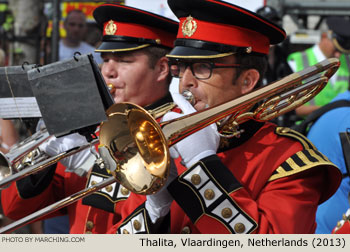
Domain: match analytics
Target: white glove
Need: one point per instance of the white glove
(78, 162)
(198, 145)
(158, 204)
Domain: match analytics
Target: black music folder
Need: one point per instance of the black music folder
(71, 94)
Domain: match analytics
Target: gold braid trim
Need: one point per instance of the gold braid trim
(300, 161)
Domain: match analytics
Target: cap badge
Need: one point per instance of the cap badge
(189, 26)
(110, 28)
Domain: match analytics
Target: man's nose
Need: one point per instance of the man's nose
(108, 70)
(188, 80)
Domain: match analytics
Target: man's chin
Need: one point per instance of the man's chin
(200, 106)
(118, 100)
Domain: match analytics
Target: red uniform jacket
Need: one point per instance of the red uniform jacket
(270, 180)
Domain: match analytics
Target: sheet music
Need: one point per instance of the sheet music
(19, 107)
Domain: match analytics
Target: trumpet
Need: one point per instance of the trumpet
(135, 147)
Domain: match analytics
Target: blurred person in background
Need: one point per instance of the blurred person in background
(76, 28)
(335, 42)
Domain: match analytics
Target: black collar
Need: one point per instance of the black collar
(249, 129)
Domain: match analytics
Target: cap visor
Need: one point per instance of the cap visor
(190, 52)
(119, 46)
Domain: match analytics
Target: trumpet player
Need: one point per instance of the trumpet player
(135, 68)
(264, 179)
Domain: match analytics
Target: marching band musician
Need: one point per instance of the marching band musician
(133, 49)
(335, 42)
(267, 179)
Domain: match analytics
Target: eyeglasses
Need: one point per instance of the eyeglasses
(200, 70)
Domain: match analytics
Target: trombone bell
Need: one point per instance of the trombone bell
(138, 148)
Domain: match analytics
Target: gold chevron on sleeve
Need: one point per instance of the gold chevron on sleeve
(299, 162)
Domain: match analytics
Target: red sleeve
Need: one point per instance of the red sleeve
(15, 206)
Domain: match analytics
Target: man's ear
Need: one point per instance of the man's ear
(248, 80)
(163, 69)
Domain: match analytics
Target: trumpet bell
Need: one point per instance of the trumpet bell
(134, 148)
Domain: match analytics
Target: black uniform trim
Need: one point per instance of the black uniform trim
(141, 210)
(298, 161)
(187, 197)
(214, 176)
(286, 167)
(35, 184)
(221, 174)
(100, 199)
(309, 156)
(128, 226)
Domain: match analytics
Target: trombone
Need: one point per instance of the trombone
(135, 147)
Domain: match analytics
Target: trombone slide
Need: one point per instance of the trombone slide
(43, 164)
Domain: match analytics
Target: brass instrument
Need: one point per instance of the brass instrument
(22, 155)
(26, 158)
(110, 87)
(135, 147)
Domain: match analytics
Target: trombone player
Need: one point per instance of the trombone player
(266, 179)
(135, 68)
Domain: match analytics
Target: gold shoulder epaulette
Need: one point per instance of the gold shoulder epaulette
(302, 160)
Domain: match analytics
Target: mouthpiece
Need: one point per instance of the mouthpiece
(189, 97)
(110, 87)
